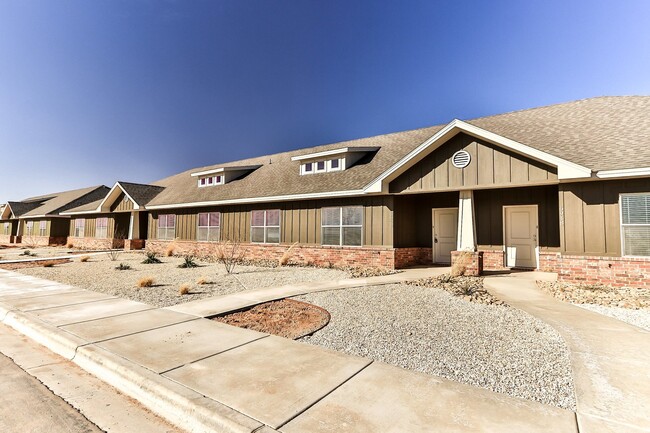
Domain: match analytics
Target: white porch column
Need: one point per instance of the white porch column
(466, 228)
(134, 226)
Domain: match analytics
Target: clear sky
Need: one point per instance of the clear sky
(97, 91)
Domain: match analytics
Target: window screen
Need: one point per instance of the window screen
(166, 227)
(209, 227)
(635, 215)
(342, 225)
(265, 226)
(101, 228)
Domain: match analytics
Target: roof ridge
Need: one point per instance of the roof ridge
(557, 104)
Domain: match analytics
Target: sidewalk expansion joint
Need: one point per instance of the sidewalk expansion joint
(325, 396)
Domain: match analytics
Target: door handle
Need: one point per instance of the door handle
(435, 240)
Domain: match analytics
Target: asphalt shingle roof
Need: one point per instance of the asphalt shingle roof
(62, 201)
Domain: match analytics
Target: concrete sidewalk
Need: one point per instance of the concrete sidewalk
(206, 376)
(236, 301)
(610, 359)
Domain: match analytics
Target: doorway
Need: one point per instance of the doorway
(521, 234)
(445, 232)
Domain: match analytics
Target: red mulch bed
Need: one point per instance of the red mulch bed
(37, 264)
(285, 318)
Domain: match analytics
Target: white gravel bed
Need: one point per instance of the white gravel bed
(99, 274)
(428, 330)
(15, 253)
(640, 318)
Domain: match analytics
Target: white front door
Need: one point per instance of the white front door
(521, 236)
(445, 230)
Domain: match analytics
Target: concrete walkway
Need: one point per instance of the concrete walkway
(206, 376)
(610, 359)
(236, 301)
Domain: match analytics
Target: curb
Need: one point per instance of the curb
(181, 406)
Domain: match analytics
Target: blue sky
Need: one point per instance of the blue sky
(97, 91)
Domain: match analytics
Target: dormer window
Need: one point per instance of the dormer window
(211, 180)
(221, 176)
(331, 160)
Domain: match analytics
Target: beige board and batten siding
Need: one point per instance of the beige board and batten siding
(591, 217)
(122, 204)
(90, 226)
(299, 221)
(490, 166)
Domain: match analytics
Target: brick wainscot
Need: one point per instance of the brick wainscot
(95, 244)
(612, 271)
(381, 257)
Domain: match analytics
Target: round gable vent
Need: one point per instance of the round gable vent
(461, 159)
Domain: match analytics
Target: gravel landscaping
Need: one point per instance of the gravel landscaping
(640, 318)
(432, 331)
(99, 274)
(607, 296)
(18, 253)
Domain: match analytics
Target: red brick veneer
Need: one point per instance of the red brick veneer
(95, 244)
(493, 260)
(613, 271)
(134, 244)
(304, 255)
(405, 257)
(474, 265)
(43, 240)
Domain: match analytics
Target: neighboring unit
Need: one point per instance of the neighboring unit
(562, 188)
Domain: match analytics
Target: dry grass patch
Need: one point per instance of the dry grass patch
(84, 259)
(286, 318)
(459, 267)
(287, 255)
(69, 245)
(184, 289)
(202, 281)
(146, 282)
(169, 251)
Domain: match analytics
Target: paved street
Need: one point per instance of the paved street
(26, 405)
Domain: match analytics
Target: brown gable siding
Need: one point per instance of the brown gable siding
(489, 214)
(299, 221)
(122, 204)
(490, 166)
(591, 212)
(413, 226)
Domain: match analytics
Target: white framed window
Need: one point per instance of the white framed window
(322, 166)
(29, 228)
(342, 226)
(79, 227)
(42, 228)
(209, 227)
(101, 228)
(7, 229)
(167, 227)
(635, 224)
(265, 226)
(211, 180)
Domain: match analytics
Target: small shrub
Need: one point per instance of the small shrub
(459, 267)
(146, 282)
(27, 253)
(202, 281)
(48, 264)
(84, 259)
(151, 258)
(184, 289)
(114, 255)
(287, 255)
(188, 262)
(169, 251)
(69, 245)
(229, 254)
(122, 267)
